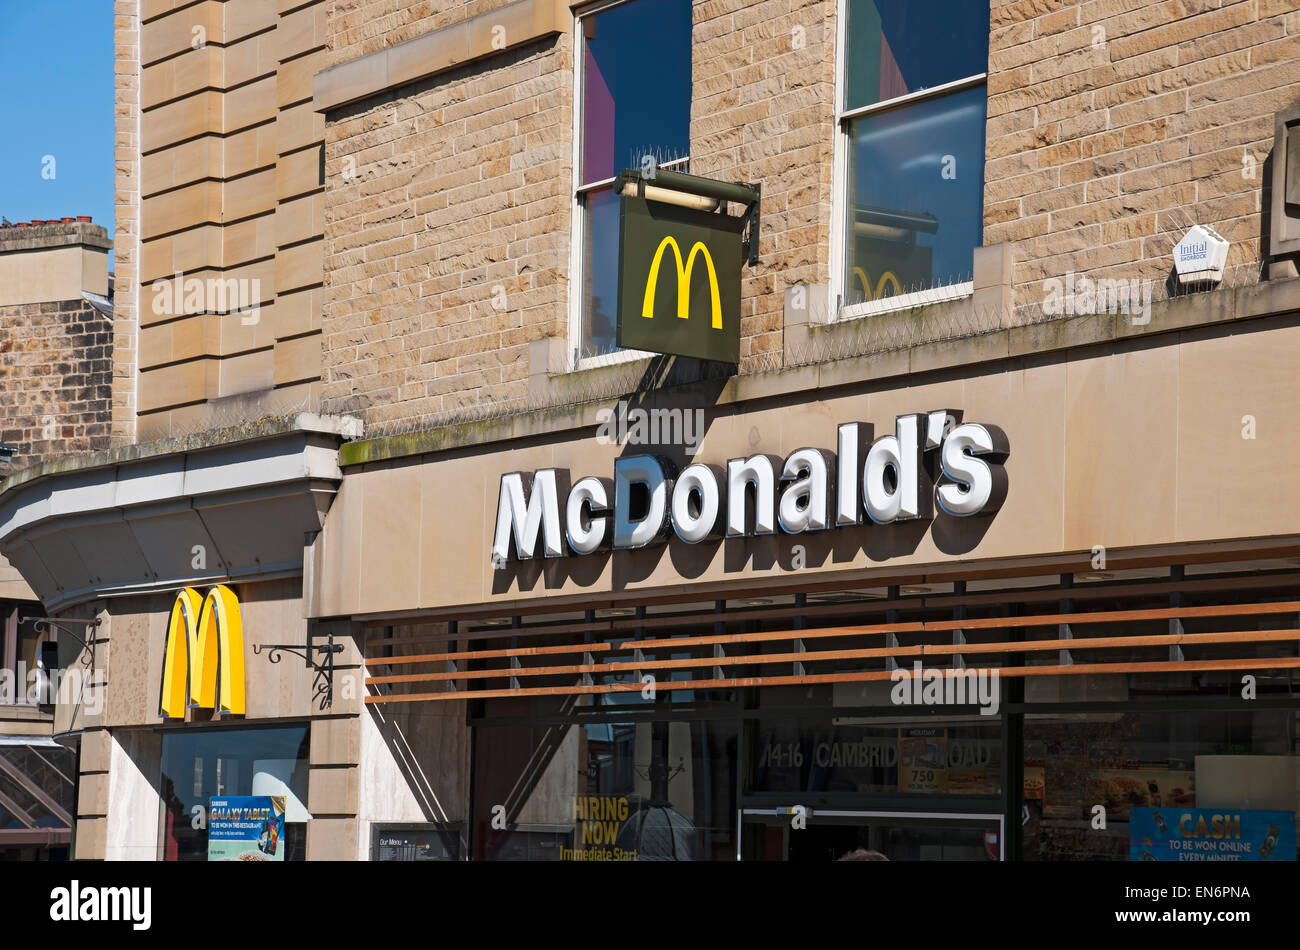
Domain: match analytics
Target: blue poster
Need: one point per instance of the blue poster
(246, 828)
(1210, 834)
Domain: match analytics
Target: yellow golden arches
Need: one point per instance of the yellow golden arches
(204, 661)
(865, 281)
(683, 281)
(182, 642)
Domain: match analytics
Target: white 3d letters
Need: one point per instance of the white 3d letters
(929, 461)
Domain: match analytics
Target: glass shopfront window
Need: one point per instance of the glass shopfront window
(200, 764)
(856, 757)
(37, 791)
(608, 791)
(1171, 785)
(828, 836)
(861, 788)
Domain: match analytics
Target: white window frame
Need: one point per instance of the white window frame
(577, 223)
(840, 148)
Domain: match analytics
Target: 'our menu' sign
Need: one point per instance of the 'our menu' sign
(679, 280)
(929, 463)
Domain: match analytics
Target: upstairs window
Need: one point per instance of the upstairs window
(633, 81)
(911, 127)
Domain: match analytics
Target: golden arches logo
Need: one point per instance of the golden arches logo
(683, 281)
(205, 650)
(865, 281)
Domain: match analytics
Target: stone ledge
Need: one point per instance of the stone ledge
(40, 237)
(439, 51)
(1169, 316)
(344, 427)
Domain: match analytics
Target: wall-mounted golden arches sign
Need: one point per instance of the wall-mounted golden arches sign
(204, 662)
(683, 281)
(865, 281)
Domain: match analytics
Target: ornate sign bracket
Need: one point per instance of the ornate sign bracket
(322, 668)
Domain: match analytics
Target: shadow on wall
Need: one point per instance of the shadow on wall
(511, 770)
(408, 760)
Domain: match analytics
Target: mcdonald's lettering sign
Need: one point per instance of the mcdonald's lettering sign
(204, 662)
(679, 280)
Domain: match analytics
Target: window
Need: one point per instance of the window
(1157, 773)
(20, 656)
(911, 147)
(633, 82)
(200, 764)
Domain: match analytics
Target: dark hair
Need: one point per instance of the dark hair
(862, 854)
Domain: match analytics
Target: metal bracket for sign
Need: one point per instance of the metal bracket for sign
(61, 625)
(323, 679)
(749, 195)
(57, 625)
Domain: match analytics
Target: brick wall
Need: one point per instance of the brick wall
(358, 27)
(763, 77)
(56, 370)
(438, 201)
(1115, 124)
(460, 186)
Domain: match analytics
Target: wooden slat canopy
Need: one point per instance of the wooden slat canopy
(603, 658)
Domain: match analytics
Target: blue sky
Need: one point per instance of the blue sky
(57, 101)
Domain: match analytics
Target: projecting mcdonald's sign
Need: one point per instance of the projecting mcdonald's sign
(204, 662)
(698, 313)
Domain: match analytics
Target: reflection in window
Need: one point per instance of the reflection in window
(942, 758)
(201, 764)
(636, 102)
(36, 786)
(662, 791)
(914, 194)
(1140, 764)
(599, 271)
(897, 47)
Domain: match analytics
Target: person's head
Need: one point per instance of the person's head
(863, 854)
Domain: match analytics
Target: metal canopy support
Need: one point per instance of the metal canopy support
(800, 600)
(35, 791)
(719, 629)
(14, 809)
(749, 195)
(1063, 631)
(891, 639)
(1176, 624)
(958, 635)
